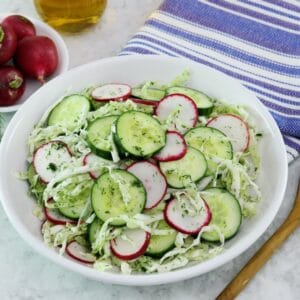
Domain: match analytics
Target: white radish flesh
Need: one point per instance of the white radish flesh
(181, 109)
(234, 128)
(48, 159)
(174, 149)
(153, 180)
(178, 219)
(131, 244)
(80, 253)
(112, 91)
(90, 159)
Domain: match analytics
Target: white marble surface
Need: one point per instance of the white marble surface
(24, 274)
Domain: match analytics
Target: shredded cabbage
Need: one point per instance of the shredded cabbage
(72, 186)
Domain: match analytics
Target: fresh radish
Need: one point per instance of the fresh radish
(131, 247)
(235, 128)
(91, 159)
(12, 85)
(181, 109)
(49, 157)
(37, 57)
(174, 149)
(176, 218)
(80, 253)
(153, 180)
(20, 25)
(8, 43)
(142, 101)
(54, 216)
(111, 91)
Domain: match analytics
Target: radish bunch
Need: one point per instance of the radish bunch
(33, 56)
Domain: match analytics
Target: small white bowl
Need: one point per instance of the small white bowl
(135, 70)
(63, 60)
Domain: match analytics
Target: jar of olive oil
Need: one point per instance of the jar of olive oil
(70, 16)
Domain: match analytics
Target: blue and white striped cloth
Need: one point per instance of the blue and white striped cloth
(255, 41)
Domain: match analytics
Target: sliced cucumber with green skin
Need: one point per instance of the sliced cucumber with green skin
(93, 229)
(76, 203)
(210, 141)
(203, 102)
(108, 201)
(151, 94)
(226, 213)
(70, 112)
(181, 172)
(72, 212)
(139, 134)
(160, 244)
(98, 133)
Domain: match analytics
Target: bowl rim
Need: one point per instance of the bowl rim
(159, 278)
(60, 43)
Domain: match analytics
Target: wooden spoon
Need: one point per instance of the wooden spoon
(260, 258)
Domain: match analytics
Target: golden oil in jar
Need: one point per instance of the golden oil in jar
(70, 16)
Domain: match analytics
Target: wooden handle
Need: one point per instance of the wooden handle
(261, 257)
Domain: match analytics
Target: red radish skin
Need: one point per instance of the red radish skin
(93, 174)
(152, 182)
(111, 92)
(236, 147)
(54, 217)
(74, 250)
(174, 225)
(163, 154)
(20, 25)
(12, 85)
(188, 113)
(37, 57)
(140, 251)
(8, 43)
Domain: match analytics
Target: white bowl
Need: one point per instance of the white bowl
(134, 70)
(63, 60)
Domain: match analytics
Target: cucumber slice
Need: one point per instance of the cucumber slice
(152, 94)
(139, 134)
(98, 133)
(203, 102)
(108, 201)
(76, 203)
(191, 167)
(210, 141)
(72, 212)
(70, 112)
(226, 213)
(160, 244)
(93, 229)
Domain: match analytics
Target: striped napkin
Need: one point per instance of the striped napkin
(254, 41)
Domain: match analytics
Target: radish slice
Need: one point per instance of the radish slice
(235, 128)
(91, 159)
(142, 101)
(184, 223)
(48, 158)
(182, 107)
(111, 91)
(135, 244)
(80, 253)
(174, 149)
(153, 180)
(54, 216)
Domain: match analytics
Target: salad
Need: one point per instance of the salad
(143, 179)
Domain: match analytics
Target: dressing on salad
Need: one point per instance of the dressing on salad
(143, 179)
